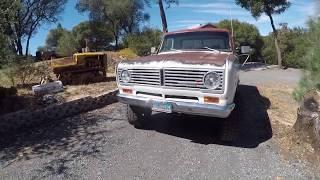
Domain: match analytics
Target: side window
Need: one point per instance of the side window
(168, 44)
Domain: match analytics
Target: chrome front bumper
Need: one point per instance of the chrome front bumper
(181, 107)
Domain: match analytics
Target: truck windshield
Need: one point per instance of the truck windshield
(196, 41)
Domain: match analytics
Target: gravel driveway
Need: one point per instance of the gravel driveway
(289, 77)
(102, 145)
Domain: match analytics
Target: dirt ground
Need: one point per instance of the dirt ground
(80, 91)
(283, 115)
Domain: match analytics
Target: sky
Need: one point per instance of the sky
(190, 13)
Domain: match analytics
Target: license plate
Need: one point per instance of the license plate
(162, 106)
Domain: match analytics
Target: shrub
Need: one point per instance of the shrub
(22, 70)
(127, 53)
(311, 78)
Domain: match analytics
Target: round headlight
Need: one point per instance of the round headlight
(212, 80)
(125, 76)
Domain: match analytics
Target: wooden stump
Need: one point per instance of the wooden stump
(308, 121)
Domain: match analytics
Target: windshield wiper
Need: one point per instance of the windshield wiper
(211, 49)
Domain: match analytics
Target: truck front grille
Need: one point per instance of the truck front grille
(172, 78)
(192, 79)
(143, 76)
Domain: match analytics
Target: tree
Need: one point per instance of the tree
(142, 42)
(7, 9)
(269, 8)
(162, 11)
(123, 16)
(30, 16)
(244, 33)
(311, 78)
(53, 37)
(67, 45)
(163, 14)
(93, 35)
(292, 44)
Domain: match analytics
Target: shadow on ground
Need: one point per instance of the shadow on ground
(254, 126)
(60, 143)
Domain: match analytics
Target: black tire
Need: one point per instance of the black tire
(230, 125)
(138, 116)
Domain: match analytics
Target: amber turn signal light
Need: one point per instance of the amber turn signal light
(211, 99)
(127, 91)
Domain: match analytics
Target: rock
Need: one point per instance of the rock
(48, 88)
(49, 99)
(308, 121)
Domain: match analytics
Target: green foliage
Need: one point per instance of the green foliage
(67, 44)
(269, 53)
(142, 42)
(127, 53)
(30, 15)
(292, 44)
(245, 33)
(7, 16)
(6, 54)
(258, 7)
(53, 38)
(269, 8)
(311, 79)
(22, 70)
(94, 34)
(123, 17)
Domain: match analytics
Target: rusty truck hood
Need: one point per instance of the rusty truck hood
(181, 59)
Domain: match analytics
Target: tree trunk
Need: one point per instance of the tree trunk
(275, 35)
(19, 46)
(308, 121)
(163, 17)
(278, 51)
(117, 42)
(27, 45)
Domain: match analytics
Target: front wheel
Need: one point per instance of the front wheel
(138, 116)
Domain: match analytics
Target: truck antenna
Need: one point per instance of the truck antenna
(231, 21)
(232, 30)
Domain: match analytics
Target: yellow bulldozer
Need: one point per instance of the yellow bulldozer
(81, 68)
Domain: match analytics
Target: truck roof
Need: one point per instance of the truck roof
(204, 28)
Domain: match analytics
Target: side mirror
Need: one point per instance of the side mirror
(238, 50)
(153, 50)
(245, 50)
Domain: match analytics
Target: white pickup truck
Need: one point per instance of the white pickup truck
(195, 71)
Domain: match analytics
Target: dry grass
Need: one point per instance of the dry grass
(80, 91)
(283, 107)
(283, 115)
